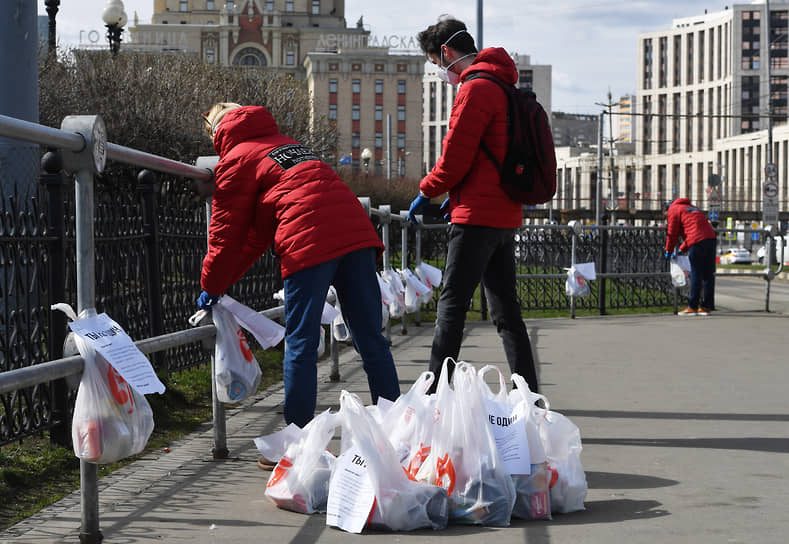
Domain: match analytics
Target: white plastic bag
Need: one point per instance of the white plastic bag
(409, 424)
(236, 370)
(111, 419)
(429, 275)
(400, 504)
(300, 481)
(680, 271)
(338, 327)
(416, 292)
(576, 285)
(397, 288)
(464, 458)
(268, 333)
(562, 442)
(533, 489)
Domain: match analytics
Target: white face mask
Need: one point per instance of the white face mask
(453, 78)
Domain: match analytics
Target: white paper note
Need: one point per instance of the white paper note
(111, 341)
(351, 493)
(509, 432)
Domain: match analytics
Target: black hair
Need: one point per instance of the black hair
(433, 37)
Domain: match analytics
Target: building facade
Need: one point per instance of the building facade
(704, 94)
(701, 112)
(349, 81)
(574, 129)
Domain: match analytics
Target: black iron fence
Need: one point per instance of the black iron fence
(150, 242)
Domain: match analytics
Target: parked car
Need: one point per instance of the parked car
(736, 255)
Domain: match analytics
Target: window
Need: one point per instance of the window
(379, 112)
(332, 85)
(230, 5)
(333, 112)
(183, 5)
(401, 113)
(288, 5)
(355, 111)
(316, 7)
(356, 86)
(209, 4)
(269, 5)
(379, 140)
(249, 56)
(290, 58)
(647, 62)
(401, 140)
(354, 139)
(379, 86)
(400, 86)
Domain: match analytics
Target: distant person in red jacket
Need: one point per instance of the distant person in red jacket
(483, 218)
(689, 223)
(273, 191)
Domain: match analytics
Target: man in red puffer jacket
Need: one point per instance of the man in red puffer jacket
(483, 217)
(698, 239)
(273, 191)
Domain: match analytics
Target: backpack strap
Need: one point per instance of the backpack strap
(509, 91)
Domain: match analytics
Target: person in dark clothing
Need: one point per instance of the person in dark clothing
(699, 240)
(483, 218)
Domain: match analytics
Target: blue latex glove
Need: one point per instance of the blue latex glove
(417, 206)
(667, 255)
(205, 301)
(445, 209)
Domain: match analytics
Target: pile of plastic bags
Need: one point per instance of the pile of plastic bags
(466, 454)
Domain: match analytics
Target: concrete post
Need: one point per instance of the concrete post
(18, 93)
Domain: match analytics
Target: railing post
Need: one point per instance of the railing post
(86, 162)
(573, 244)
(54, 181)
(403, 266)
(148, 188)
(417, 260)
(219, 450)
(603, 265)
(386, 220)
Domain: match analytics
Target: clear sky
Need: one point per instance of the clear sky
(591, 44)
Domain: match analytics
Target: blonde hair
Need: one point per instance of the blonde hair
(212, 117)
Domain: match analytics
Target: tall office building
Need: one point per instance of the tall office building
(625, 119)
(704, 95)
(358, 85)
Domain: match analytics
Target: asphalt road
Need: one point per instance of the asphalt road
(737, 293)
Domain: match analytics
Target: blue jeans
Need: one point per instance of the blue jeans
(477, 253)
(354, 278)
(702, 274)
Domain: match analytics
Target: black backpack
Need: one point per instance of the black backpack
(528, 173)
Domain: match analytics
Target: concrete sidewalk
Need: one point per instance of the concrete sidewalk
(683, 421)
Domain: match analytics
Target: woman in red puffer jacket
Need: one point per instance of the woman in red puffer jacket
(271, 191)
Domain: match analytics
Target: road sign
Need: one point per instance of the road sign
(770, 201)
(770, 188)
(713, 215)
(754, 235)
(770, 170)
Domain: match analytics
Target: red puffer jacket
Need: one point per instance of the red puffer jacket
(479, 114)
(272, 190)
(688, 222)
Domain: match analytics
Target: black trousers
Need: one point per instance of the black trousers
(481, 253)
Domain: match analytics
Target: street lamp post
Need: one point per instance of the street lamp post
(366, 156)
(52, 10)
(114, 17)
